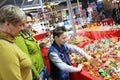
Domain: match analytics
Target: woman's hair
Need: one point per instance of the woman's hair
(58, 31)
(12, 14)
(30, 15)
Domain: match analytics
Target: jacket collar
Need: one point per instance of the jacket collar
(26, 34)
(7, 37)
(61, 49)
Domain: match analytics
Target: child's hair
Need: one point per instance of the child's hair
(42, 45)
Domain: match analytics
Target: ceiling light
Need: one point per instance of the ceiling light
(100, 0)
(29, 0)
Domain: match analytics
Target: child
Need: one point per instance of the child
(44, 50)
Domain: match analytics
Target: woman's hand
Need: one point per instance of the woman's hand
(80, 66)
(88, 57)
(39, 78)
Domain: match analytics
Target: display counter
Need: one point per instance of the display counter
(40, 36)
(103, 23)
(83, 75)
(95, 35)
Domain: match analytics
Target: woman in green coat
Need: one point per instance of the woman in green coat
(29, 45)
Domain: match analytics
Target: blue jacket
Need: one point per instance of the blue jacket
(62, 52)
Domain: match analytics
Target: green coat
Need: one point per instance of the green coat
(31, 48)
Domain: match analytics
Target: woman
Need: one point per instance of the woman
(14, 63)
(26, 42)
(60, 64)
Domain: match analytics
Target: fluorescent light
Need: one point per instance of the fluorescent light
(54, 3)
(100, 0)
(28, 8)
(29, 0)
(51, 3)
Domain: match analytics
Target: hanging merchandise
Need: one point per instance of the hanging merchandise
(95, 1)
(93, 5)
(90, 1)
(64, 14)
(100, 5)
(59, 16)
(84, 4)
(56, 16)
(77, 10)
(115, 1)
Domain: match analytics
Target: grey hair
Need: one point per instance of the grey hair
(12, 14)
